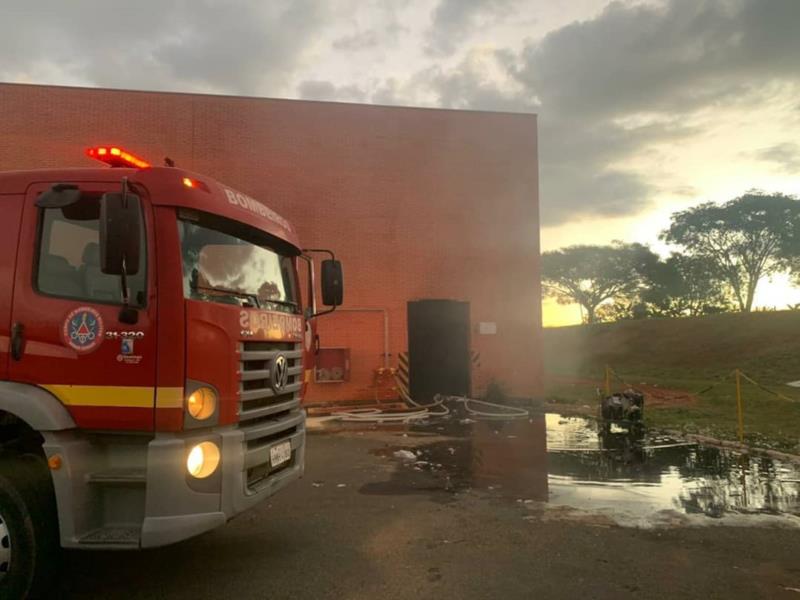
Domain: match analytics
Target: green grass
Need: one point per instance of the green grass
(690, 355)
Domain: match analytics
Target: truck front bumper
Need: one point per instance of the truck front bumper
(177, 507)
(117, 491)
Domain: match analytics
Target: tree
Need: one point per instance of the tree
(624, 308)
(745, 239)
(684, 286)
(592, 275)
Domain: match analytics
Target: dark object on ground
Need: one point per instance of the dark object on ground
(625, 406)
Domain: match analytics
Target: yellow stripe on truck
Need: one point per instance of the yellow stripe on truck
(117, 396)
(169, 397)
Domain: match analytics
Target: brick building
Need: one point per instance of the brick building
(419, 204)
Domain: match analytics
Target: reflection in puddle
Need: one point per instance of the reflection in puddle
(636, 472)
(580, 463)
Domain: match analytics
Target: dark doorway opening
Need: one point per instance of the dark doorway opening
(438, 348)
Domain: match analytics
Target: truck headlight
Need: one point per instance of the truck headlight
(203, 460)
(202, 403)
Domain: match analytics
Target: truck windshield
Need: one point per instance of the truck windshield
(221, 263)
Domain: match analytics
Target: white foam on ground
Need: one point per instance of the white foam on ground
(662, 519)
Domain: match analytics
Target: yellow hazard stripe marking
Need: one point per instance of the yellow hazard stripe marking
(401, 377)
(402, 371)
(117, 396)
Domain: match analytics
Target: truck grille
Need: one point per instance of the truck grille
(267, 416)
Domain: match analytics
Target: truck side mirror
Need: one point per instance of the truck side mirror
(332, 283)
(120, 233)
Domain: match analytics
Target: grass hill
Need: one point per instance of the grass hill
(689, 355)
(764, 344)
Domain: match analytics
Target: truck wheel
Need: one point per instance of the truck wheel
(29, 545)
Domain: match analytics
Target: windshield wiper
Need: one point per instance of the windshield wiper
(283, 302)
(239, 294)
(196, 286)
(244, 295)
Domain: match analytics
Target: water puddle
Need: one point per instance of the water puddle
(572, 466)
(646, 477)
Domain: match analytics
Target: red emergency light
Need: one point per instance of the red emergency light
(195, 184)
(116, 157)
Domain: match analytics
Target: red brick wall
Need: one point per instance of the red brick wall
(417, 203)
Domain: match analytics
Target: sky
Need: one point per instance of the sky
(645, 106)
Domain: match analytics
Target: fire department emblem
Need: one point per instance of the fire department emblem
(83, 329)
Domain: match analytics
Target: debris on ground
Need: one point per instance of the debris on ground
(405, 455)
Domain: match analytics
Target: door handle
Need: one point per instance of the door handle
(316, 344)
(17, 340)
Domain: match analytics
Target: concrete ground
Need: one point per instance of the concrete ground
(362, 524)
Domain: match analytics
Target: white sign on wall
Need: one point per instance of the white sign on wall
(487, 328)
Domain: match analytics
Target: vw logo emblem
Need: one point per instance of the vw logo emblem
(280, 373)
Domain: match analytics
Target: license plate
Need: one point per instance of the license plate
(280, 453)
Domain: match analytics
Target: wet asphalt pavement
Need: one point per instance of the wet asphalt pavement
(547, 508)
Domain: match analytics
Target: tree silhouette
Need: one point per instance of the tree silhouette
(684, 286)
(745, 239)
(592, 275)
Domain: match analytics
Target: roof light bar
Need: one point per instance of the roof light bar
(116, 157)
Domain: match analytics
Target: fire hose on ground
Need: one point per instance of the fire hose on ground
(480, 409)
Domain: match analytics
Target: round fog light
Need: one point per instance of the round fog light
(201, 403)
(203, 460)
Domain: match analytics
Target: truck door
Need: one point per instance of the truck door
(67, 313)
(11, 209)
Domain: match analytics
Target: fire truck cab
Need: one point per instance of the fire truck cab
(154, 349)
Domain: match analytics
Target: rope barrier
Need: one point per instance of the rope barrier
(618, 377)
(610, 372)
(766, 389)
(737, 374)
(720, 379)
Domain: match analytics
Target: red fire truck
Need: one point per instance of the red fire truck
(154, 349)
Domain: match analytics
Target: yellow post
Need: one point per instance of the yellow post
(739, 404)
(608, 381)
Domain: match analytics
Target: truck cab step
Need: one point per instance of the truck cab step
(116, 536)
(133, 476)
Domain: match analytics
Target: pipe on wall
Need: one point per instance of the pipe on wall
(385, 328)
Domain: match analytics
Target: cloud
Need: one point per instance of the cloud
(453, 20)
(325, 90)
(480, 81)
(361, 40)
(611, 89)
(247, 47)
(678, 57)
(785, 157)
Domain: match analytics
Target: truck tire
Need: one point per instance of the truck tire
(29, 544)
